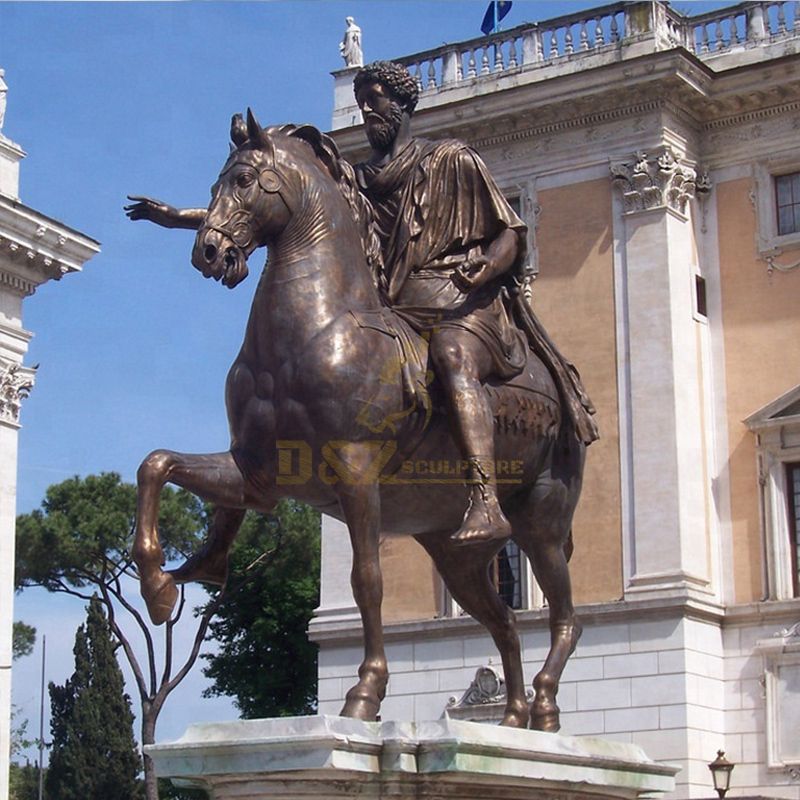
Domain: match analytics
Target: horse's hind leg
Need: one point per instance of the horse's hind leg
(214, 477)
(543, 533)
(466, 575)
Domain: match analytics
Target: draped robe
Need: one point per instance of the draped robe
(436, 205)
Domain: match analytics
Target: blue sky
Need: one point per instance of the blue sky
(110, 99)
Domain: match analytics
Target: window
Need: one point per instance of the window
(781, 653)
(787, 197)
(777, 429)
(793, 491)
(507, 575)
(777, 200)
(700, 297)
(512, 577)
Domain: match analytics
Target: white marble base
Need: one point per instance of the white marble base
(334, 757)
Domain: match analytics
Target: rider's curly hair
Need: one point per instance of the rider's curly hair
(395, 77)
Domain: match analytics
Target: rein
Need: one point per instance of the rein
(238, 227)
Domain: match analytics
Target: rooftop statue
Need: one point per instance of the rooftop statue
(375, 275)
(350, 47)
(3, 97)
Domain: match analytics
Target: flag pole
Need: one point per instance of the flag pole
(41, 721)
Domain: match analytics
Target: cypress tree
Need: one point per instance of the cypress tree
(94, 754)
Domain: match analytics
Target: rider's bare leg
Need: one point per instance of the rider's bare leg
(461, 362)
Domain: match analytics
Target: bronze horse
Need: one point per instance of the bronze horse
(314, 416)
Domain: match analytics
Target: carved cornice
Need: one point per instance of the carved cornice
(654, 182)
(16, 383)
(17, 284)
(35, 248)
(589, 120)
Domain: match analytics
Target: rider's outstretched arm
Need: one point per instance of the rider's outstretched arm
(163, 214)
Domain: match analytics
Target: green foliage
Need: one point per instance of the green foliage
(23, 641)
(82, 532)
(265, 660)
(19, 733)
(94, 754)
(166, 791)
(24, 782)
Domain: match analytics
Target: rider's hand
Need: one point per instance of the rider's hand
(474, 272)
(151, 210)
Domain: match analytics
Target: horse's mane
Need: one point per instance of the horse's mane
(343, 173)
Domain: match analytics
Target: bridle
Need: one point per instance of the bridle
(238, 227)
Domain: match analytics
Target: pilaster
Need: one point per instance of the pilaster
(33, 250)
(667, 542)
(16, 383)
(336, 603)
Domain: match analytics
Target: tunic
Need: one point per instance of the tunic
(436, 205)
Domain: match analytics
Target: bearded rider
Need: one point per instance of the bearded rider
(451, 243)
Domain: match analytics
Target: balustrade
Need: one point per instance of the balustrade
(747, 23)
(582, 34)
(544, 43)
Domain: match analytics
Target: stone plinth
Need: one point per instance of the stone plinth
(334, 757)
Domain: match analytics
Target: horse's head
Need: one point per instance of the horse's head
(254, 198)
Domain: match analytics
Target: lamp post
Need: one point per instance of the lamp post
(721, 770)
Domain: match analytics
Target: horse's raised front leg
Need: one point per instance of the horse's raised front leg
(466, 575)
(360, 501)
(213, 477)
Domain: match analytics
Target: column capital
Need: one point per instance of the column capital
(16, 383)
(660, 181)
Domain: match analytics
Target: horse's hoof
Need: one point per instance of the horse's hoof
(549, 723)
(160, 595)
(360, 707)
(515, 719)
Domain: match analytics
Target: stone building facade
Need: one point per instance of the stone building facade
(656, 160)
(33, 249)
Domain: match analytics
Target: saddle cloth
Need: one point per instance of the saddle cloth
(528, 405)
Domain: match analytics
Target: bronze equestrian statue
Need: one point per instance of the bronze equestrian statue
(333, 380)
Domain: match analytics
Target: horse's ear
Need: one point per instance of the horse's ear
(324, 147)
(254, 130)
(238, 130)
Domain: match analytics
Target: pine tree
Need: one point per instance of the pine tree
(94, 754)
(264, 659)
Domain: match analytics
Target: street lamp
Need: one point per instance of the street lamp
(721, 770)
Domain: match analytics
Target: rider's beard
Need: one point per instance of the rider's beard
(381, 135)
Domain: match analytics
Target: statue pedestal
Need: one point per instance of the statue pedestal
(334, 757)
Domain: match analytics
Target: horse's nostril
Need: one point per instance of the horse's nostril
(210, 253)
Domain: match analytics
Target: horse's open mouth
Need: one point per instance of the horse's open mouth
(234, 267)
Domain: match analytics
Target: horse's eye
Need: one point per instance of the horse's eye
(244, 179)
